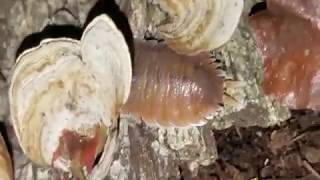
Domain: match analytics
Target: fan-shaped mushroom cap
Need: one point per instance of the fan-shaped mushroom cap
(195, 26)
(65, 97)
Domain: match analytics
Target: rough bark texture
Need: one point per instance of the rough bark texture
(145, 152)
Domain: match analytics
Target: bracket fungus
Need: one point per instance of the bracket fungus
(288, 36)
(6, 171)
(173, 90)
(194, 26)
(65, 97)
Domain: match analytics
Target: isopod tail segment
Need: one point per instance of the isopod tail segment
(288, 40)
(173, 90)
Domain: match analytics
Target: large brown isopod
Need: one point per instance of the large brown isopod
(170, 89)
(288, 36)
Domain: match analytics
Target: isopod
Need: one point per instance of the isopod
(289, 40)
(170, 89)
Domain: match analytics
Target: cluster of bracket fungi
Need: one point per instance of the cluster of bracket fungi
(66, 95)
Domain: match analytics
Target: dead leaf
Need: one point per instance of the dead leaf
(311, 154)
(279, 139)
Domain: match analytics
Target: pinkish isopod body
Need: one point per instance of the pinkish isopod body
(171, 89)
